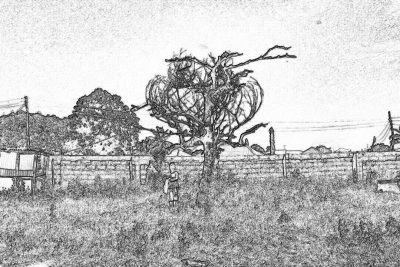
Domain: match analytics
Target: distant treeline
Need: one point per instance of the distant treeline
(48, 133)
(95, 117)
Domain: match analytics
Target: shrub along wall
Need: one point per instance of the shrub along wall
(361, 166)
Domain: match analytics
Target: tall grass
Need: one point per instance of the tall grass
(264, 222)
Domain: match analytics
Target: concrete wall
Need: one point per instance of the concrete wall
(385, 165)
(87, 168)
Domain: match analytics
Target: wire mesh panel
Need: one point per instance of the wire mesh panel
(142, 174)
(42, 164)
(8, 160)
(26, 162)
(132, 171)
(29, 166)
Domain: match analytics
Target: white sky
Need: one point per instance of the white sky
(347, 68)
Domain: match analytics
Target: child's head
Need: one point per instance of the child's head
(172, 167)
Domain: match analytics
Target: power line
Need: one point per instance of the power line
(337, 125)
(348, 126)
(12, 100)
(323, 129)
(11, 103)
(384, 137)
(330, 122)
(332, 126)
(11, 106)
(383, 132)
(381, 140)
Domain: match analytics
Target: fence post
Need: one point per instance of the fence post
(61, 176)
(17, 180)
(143, 173)
(130, 170)
(284, 165)
(354, 168)
(52, 173)
(362, 171)
(33, 179)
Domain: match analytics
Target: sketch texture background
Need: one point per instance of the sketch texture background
(347, 68)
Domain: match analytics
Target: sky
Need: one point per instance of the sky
(346, 72)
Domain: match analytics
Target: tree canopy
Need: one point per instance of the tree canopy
(207, 100)
(101, 118)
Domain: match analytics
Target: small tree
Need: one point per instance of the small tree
(101, 115)
(206, 102)
(157, 146)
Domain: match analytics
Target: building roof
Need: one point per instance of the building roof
(230, 151)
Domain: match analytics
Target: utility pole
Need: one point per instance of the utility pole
(391, 131)
(28, 138)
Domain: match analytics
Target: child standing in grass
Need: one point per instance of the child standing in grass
(171, 186)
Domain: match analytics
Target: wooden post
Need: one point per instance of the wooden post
(354, 168)
(61, 178)
(33, 179)
(143, 173)
(362, 171)
(391, 131)
(47, 160)
(52, 173)
(28, 138)
(130, 170)
(284, 165)
(271, 141)
(17, 179)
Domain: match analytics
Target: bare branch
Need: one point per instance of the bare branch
(242, 73)
(228, 55)
(136, 108)
(185, 145)
(99, 116)
(188, 59)
(251, 130)
(213, 59)
(265, 56)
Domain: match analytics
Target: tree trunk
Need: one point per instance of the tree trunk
(209, 162)
(158, 176)
(203, 198)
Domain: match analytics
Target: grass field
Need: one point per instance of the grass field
(292, 222)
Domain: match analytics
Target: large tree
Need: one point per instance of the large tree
(206, 101)
(102, 119)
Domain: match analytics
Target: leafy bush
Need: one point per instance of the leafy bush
(133, 239)
(14, 193)
(162, 232)
(99, 188)
(188, 234)
(371, 177)
(156, 181)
